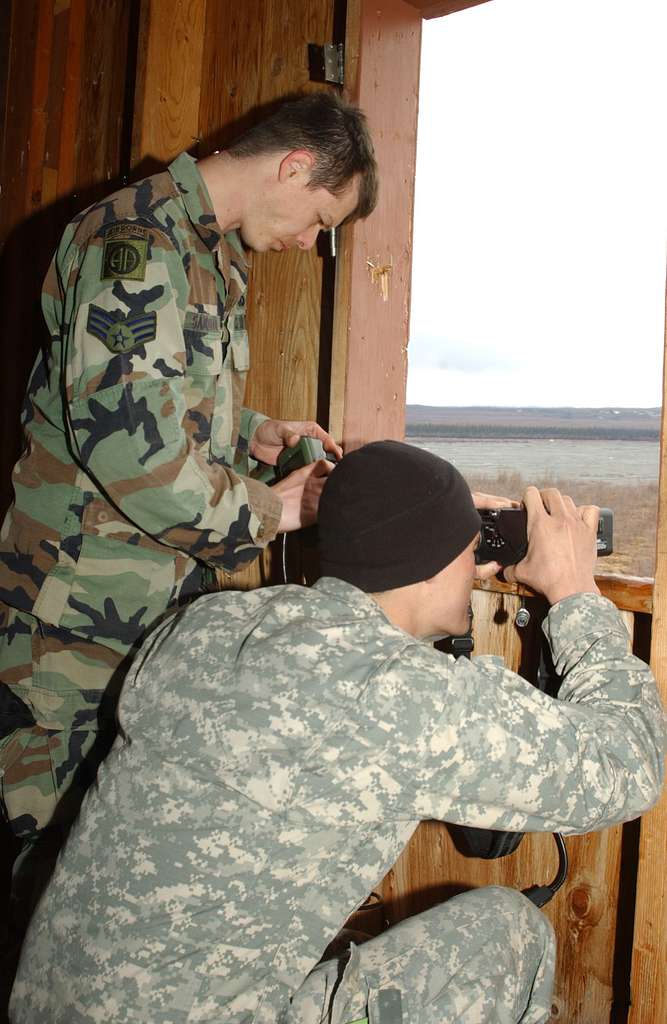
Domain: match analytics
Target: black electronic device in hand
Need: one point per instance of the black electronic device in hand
(504, 536)
(309, 449)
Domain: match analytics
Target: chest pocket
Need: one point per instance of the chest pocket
(230, 390)
(205, 338)
(206, 342)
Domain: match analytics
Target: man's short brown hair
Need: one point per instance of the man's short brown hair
(337, 135)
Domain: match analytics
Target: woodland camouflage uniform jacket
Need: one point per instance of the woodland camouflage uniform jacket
(281, 747)
(136, 442)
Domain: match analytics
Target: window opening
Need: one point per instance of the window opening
(538, 288)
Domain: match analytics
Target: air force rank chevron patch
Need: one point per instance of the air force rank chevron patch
(118, 333)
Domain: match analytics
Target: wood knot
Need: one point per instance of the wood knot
(586, 905)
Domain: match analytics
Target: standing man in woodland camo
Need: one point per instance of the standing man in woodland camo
(134, 483)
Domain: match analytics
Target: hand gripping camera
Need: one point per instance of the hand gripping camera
(504, 535)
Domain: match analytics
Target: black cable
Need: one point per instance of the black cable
(284, 557)
(541, 894)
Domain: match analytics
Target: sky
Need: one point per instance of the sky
(540, 244)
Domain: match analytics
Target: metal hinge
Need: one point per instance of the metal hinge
(326, 63)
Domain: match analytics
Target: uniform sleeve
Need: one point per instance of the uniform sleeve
(141, 383)
(250, 421)
(485, 748)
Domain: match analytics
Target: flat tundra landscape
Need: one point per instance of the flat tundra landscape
(572, 423)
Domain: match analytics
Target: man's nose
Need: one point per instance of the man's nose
(307, 239)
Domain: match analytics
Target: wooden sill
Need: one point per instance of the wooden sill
(629, 593)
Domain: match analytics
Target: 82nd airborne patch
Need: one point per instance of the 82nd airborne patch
(125, 253)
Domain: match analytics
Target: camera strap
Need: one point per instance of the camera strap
(488, 843)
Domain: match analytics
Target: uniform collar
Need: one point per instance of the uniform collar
(360, 603)
(199, 207)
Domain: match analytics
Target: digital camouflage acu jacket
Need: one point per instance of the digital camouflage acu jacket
(282, 746)
(134, 432)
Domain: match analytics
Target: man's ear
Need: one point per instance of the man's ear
(296, 165)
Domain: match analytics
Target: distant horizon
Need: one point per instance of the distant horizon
(533, 421)
(541, 408)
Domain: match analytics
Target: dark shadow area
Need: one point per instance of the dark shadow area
(532, 638)
(623, 943)
(326, 328)
(24, 261)
(424, 899)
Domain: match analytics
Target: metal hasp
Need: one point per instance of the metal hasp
(326, 63)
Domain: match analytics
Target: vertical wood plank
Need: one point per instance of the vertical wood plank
(371, 325)
(102, 133)
(493, 626)
(649, 962)
(69, 121)
(21, 55)
(40, 94)
(170, 71)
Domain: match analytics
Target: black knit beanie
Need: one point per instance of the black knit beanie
(391, 514)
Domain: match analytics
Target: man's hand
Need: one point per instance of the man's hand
(272, 436)
(300, 494)
(562, 547)
(488, 570)
(481, 500)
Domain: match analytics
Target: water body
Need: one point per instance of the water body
(538, 461)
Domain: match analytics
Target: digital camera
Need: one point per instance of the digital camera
(504, 536)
